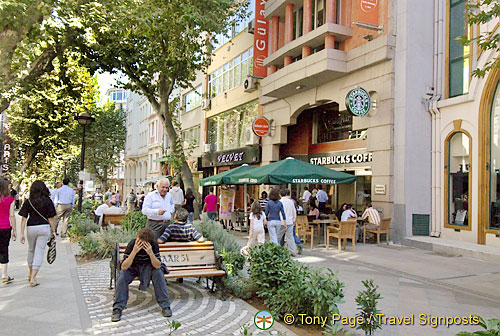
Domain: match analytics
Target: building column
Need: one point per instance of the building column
(306, 25)
(288, 29)
(331, 13)
(275, 34)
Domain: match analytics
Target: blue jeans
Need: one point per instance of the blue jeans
(297, 240)
(127, 276)
(274, 227)
(191, 214)
(212, 214)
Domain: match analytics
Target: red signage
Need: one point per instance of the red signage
(261, 126)
(368, 11)
(260, 39)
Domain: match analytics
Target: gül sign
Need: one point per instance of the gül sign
(260, 37)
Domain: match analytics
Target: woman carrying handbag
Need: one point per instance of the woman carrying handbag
(38, 212)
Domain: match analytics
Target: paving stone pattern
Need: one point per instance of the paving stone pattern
(199, 311)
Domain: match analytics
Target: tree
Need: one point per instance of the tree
(159, 45)
(42, 121)
(480, 13)
(106, 141)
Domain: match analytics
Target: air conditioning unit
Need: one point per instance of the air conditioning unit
(251, 27)
(250, 84)
(207, 148)
(250, 137)
(205, 104)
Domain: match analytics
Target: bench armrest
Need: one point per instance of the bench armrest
(219, 260)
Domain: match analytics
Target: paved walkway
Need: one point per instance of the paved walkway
(56, 307)
(413, 281)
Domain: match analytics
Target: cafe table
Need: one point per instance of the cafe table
(325, 223)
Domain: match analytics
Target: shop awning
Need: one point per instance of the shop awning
(292, 171)
(163, 159)
(223, 178)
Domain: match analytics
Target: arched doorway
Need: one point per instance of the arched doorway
(489, 158)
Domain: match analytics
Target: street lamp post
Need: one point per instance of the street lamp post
(84, 119)
(65, 160)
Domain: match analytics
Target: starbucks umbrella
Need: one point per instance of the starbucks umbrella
(293, 171)
(223, 178)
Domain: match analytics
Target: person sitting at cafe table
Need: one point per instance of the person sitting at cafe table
(348, 213)
(341, 210)
(313, 210)
(372, 216)
(180, 230)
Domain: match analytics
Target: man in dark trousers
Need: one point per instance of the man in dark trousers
(142, 260)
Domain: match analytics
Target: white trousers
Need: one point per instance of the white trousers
(38, 235)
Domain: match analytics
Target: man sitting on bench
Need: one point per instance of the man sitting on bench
(142, 260)
(181, 230)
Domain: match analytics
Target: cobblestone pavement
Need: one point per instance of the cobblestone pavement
(199, 311)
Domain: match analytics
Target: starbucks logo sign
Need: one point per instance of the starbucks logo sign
(358, 102)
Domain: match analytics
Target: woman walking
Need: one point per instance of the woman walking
(189, 203)
(7, 227)
(39, 211)
(273, 210)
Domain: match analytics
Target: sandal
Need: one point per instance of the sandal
(7, 280)
(34, 284)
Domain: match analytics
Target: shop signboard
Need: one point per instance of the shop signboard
(261, 126)
(226, 203)
(232, 157)
(326, 159)
(379, 189)
(358, 102)
(368, 11)
(261, 36)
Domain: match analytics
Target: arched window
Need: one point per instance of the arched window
(494, 165)
(458, 180)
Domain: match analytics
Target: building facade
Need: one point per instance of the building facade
(321, 50)
(465, 122)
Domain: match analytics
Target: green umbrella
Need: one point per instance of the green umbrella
(222, 178)
(293, 171)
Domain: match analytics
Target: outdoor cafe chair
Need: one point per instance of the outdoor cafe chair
(304, 229)
(346, 230)
(383, 228)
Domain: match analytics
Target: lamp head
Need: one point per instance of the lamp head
(84, 118)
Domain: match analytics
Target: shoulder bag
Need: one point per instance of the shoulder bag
(51, 252)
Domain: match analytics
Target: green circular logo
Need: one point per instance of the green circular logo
(358, 102)
(263, 320)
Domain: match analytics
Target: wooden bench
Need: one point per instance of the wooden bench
(115, 219)
(184, 260)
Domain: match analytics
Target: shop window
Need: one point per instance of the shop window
(457, 174)
(331, 124)
(459, 55)
(495, 164)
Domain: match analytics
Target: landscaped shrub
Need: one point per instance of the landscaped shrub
(134, 221)
(80, 225)
(289, 287)
(492, 328)
(367, 304)
(101, 244)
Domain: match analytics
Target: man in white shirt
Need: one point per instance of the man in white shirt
(158, 206)
(322, 197)
(53, 193)
(177, 195)
(111, 210)
(291, 217)
(305, 200)
(348, 213)
(100, 210)
(65, 201)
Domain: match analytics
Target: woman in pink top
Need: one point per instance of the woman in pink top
(7, 226)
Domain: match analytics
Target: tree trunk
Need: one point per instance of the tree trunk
(29, 156)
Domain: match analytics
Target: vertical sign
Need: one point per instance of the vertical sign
(260, 39)
(368, 11)
(226, 203)
(6, 157)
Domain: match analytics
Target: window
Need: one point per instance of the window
(319, 13)
(192, 99)
(228, 129)
(232, 74)
(191, 137)
(459, 55)
(495, 163)
(239, 24)
(331, 124)
(457, 173)
(298, 17)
